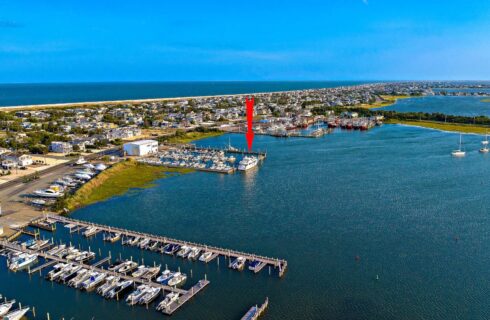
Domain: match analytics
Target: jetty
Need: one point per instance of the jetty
(255, 312)
(279, 264)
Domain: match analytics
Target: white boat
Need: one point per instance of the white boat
(184, 251)
(110, 283)
(459, 152)
(38, 202)
(119, 289)
(82, 275)
(194, 253)
(83, 176)
(16, 315)
(485, 149)
(177, 280)
(238, 263)
(140, 272)
(5, 307)
(127, 267)
(206, 256)
(150, 295)
(100, 167)
(247, 163)
(80, 161)
(165, 276)
(24, 262)
(90, 231)
(40, 244)
(167, 302)
(48, 193)
(134, 297)
(95, 280)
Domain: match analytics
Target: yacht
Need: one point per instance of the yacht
(184, 251)
(5, 307)
(169, 299)
(48, 193)
(112, 237)
(459, 152)
(95, 280)
(141, 271)
(39, 245)
(81, 276)
(127, 267)
(177, 280)
(85, 256)
(100, 167)
(69, 273)
(16, 315)
(171, 248)
(247, 163)
(254, 265)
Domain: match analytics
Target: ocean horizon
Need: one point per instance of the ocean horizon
(19, 94)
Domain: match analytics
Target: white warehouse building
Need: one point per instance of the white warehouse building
(141, 147)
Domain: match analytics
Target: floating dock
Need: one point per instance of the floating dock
(280, 264)
(255, 312)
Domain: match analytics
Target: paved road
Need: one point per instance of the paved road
(13, 194)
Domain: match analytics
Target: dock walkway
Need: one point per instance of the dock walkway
(280, 264)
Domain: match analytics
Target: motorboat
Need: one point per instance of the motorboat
(48, 193)
(127, 267)
(56, 268)
(90, 231)
(110, 283)
(69, 273)
(116, 264)
(39, 245)
(100, 167)
(152, 272)
(5, 307)
(247, 163)
(112, 237)
(165, 276)
(177, 280)
(194, 253)
(119, 290)
(254, 265)
(150, 295)
(238, 263)
(171, 248)
(184, 251)
(206, 256)
(167, 302)
(17, 314)
(94, 281)
(80, 161)
(24, 262)
(81, 276)
(82, 176)
(140, 271)
(38, 202)
(85, 256)
(134, 297)
(144, 243)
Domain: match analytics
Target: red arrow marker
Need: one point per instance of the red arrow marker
(250, 116)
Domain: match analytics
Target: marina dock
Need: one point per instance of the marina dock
(279, 264)
(255, 312)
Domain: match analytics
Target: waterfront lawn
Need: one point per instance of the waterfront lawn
(117, 180)
(453, 127)
(485, 100)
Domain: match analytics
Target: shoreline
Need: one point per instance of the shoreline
(443, 126)
(147, 100)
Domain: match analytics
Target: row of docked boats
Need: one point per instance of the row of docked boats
(6, 312)
(62, 185)
(239, 264)
(71, 253)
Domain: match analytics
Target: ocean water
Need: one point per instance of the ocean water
(417, 218)
(26, 94)
(464, 106)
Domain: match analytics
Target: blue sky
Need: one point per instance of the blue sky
(57, 41)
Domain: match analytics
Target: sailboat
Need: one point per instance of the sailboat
(459, 152)
(484, 143)
(230, 147)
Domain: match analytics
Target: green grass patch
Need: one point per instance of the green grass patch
(117, 180)
(485, 100)
(192, 136)
(453, 127)
(387, 101)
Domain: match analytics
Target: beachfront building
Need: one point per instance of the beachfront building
(141, 148)
(13, 160)
(61, 147)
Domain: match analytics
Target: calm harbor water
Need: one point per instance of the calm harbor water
(26, 94)
(393, 196)
(464, 106)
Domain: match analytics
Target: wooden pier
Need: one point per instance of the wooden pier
(255, 312)
(260, 154)
(47, 257)
(280, 264)
(201, 284)
(45, 265)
